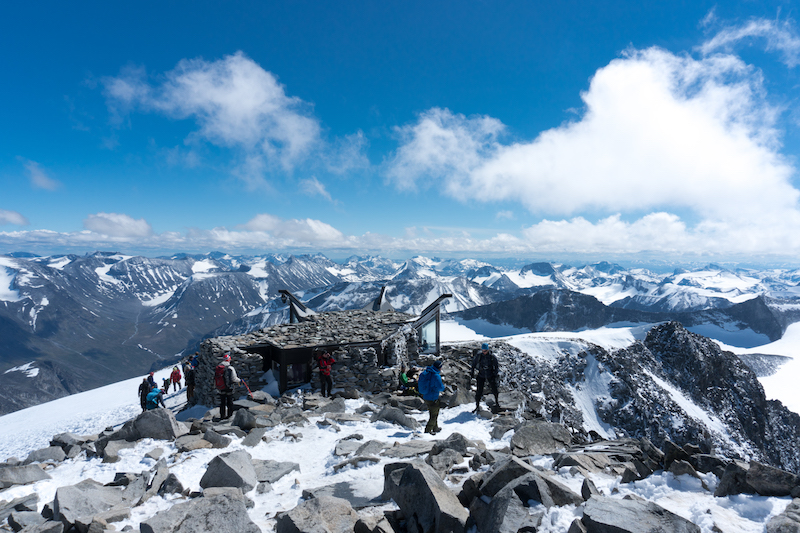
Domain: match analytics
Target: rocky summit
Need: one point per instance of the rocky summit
(665, 431)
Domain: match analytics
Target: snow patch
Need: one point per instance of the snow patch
(7, 294)
(203, 266)
(28, 369)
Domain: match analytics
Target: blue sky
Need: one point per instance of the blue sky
(661, 130)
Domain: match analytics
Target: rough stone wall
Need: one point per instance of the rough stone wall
(356, 368)
(247, 365)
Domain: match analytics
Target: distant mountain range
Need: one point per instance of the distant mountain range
(85, 321)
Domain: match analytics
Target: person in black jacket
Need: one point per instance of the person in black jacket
(144, 389)
(485, 362)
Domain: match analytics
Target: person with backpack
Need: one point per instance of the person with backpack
(325, 362)
(430, 386)
(176, 378)
(154, 398)
(485, 362)
(188, 378)
(151, 380)
(144, 390)
(225, 379)
(165, 384)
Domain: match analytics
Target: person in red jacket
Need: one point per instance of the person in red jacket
(325, 362)
(176, 378)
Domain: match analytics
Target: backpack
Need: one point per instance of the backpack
(219, 377)
(425, 383)
(152, 400)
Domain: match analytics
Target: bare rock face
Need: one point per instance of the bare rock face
(605, 515)
(220, 513)
(423, 498)
(323, 514)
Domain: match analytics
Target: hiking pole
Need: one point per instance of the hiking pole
(249, 393)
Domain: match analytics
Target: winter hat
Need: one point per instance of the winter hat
(226, 357)
(437, 365)
(151, 373)
(484, 346)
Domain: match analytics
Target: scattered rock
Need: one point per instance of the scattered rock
(324, 514)
(540, 438)
(271, 471)
(603, 514)
(770, 481)
(232, 469)
(786, 522)
(254, 437)
(76, 505)
(423, 498)
(216, 440)
(221, 513)
(52, 454)
(405, 450)
(345, 491)
(21, 475)
(396, 416)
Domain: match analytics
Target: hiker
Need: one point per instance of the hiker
(188, 378)
(195, 359)
(166, 381)
(407, 381)
(152, 381)
(144, 390)
(325, 362)
(225, 379)
(485, 362)
(154, 397)
(176, 378)
(430, 385)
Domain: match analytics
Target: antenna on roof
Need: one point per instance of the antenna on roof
(298, 312)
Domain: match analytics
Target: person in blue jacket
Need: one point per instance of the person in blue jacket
(430, 386)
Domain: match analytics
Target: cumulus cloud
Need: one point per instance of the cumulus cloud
(38, 177)
(660, 133)
(236, 104)
(12, 217)
(117, 225)
(778, 36)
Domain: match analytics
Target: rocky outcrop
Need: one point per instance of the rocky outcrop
(323, 514)
(603, 515)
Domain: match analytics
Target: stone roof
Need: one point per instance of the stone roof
(334, 327)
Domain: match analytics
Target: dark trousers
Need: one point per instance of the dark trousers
(479, 392)
(433, 420)
(225, 404)
(190, 392)
(326, 382)
(177, 385)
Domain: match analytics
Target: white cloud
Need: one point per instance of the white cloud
(237, 104)
(117, 225)
(504, 215)
(313, 187)
(778, 36)
(38, 178)
(12, 217)
(296, 232)
(443, 145)
(661, 133)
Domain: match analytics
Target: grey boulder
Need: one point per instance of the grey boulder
(396, 416)
(540, 438)
(21, 475)
(76, 505)
(221, 513)
(427, 503)
(602, 515)
(270, 471)
(52, 454)
(326, 514)
(232, 469)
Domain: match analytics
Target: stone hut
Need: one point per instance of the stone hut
(364, 342)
